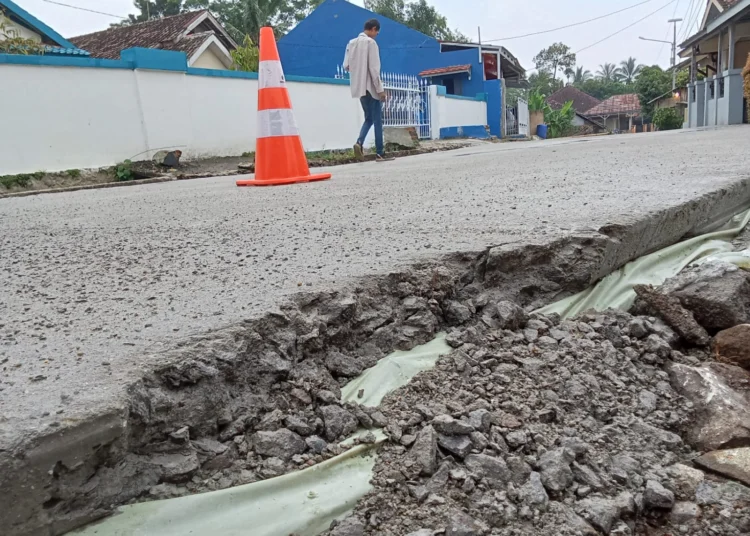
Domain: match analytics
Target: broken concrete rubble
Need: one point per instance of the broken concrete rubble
(722, 413)
(732, 463)
(733, 346)
(608, 461)
(716, 292)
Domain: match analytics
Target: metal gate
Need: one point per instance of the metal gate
(523, 118)
(517, 119)
(407, 103)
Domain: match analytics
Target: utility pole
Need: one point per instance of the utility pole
(673, 42)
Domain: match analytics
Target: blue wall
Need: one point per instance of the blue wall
(317, 45)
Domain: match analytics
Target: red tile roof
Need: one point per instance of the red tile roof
(446, 70)
(167, 33)
(617, 104)
(582, 102)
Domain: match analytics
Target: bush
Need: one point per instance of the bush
(560, 122)
(667, 119)
(124, 171)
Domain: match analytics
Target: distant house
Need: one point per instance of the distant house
(316, 46)
(617, 113)
(677, 99)
(27, 26)
(198, 34)
(582, 102)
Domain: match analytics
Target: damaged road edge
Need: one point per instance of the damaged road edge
(209, 382)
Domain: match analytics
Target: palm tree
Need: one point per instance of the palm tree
(581, 75)
(607, 72)
(569, 73)
(628, 70)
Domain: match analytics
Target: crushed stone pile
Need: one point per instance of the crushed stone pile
(536, 426)
(302, 423)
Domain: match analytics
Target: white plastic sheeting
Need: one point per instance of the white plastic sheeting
(302, 503)
(616, 290)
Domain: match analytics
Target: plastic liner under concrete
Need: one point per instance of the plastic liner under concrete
(616, 290)
(302, 503)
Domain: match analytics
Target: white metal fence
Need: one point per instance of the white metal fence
(517, 119)
(407, 103)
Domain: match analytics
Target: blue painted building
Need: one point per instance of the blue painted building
(316, 46)
(23, 24)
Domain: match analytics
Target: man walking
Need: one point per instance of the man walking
(362, 60)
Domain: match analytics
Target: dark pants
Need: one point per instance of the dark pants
(373, 109)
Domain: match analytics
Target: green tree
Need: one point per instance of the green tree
(607, 72)
(246, 17)
(603, 89)
(12, 43)
(556, 57)
(581, 75)
(628, 70)
(246, 57)
(683, 77)
(667, 119)
(651, 83)
(543, 83)
(418, 15)
(153, 9)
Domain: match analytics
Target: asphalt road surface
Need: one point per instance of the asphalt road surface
(91, 280)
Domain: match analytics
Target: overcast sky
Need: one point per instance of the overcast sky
(497, 18)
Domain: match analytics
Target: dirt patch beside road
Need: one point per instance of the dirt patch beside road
(144, 172)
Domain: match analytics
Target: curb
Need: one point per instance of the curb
(169, 178)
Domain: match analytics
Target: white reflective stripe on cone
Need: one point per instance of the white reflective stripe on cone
(276, 123)
(270, 74)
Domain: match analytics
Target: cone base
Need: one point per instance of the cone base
(289, 180)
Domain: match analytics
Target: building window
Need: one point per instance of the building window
(693, 93)
(721, 87)
(711, 89)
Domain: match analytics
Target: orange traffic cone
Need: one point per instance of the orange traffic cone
(279, 155)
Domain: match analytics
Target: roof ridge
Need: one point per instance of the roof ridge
(145, 22)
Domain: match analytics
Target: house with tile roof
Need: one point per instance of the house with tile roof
(617, 113)
(582, 102)
(718, 51)
(198, 34)
(21, 23)
(316, 46)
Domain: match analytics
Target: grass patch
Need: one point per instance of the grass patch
(22, 179)
(73, 173)
(341, 155)
(331, 156)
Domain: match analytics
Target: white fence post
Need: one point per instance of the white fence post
(523, 118)
(434, 105)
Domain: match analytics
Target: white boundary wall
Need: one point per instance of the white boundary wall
(452, 111)
(58, 118)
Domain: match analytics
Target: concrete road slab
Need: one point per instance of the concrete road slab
(93, 281)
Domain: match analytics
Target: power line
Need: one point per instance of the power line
(666, 35)
(567, 26)
(626, 27)
(686, 19)
(693, 20)
(85, 9)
